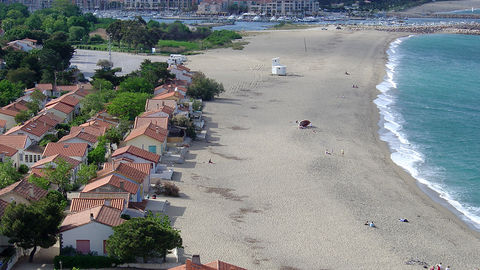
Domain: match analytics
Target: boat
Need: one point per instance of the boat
(256, 18)
(304, 124)
(273, 19)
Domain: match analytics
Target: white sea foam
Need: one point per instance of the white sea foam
(405, 154)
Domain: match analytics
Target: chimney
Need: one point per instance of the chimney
(91, 217)
(30, 191)
(196, 259)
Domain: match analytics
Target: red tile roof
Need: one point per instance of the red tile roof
(216, 265)
(155, 104)
(18, 106)
(82, 135)
(135, 151)
(7, 150)
(97, 123)
(61, 107)
(162, 122)
(102, 214)
(68, 88)
(56, 158)
(150, 130)
(175, 94)
(128, 170)
(67, 149)
(105, 195)
(49, 118)
(24, 188)
(37, 172)
(94, 130)
(111, 180)
(44, 86)
(14, 141)
(80, 204)
(8, 112)
(164, 109)
(66, 99)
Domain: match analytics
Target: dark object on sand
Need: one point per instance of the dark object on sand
(304, 123)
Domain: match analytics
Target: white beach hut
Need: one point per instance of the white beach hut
(277, 68)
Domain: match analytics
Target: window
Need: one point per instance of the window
(152, 149)
(35, 158)
(83, 246)
(21, 157)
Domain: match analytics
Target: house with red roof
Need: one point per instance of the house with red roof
(133, 178)
(8, 117)
(176, 95)
(22, 192)
(37, 127)
(80, 136)
(148, 137)
(181, 72)
(88, 230)
(76, 151)
(158, 119)
(195, 264)
(67, 99)
(37, 169)
(7, 152)
(133, 154)
(158, 104)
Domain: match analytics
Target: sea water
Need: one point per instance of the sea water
(430, 115)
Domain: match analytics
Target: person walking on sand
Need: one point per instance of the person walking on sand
(439, 266)
(342, 152)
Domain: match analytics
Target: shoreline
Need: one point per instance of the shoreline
(431, 193)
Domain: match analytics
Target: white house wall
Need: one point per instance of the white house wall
(93, 231)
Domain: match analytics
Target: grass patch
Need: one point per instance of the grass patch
(174, 46)
(239, 45)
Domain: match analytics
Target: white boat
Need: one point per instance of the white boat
(273, 19)
(231, 17)
(256, 18)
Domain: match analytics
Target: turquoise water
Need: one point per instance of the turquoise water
(430, 108)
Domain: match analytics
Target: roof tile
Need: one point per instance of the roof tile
(67, 149)
(133, 150)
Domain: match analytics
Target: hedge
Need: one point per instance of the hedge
(85, 261)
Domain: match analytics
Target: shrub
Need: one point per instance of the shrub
(170, 189)
(85, 261)
(68, 251)
(23, 169)
(221, 37)
(125, 216)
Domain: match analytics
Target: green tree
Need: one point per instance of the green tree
(86, 173)
(8, 173)
(30, 226)
(155, 72)
(34, 22)
(136, 84)
(147, 237)
(76, 33)
(58, 174)
(128, 105)
(204, 88)
(38, 96)
(22, 116)
(22, 75)
(97, 155)
(113, 135)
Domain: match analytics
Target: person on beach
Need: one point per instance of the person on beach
(372, 225)
(346, 73)
(403, 220)
(366, 223)
(210, 161)
(342, 152)
(439, 266)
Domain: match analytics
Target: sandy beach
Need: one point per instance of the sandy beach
(273, 199)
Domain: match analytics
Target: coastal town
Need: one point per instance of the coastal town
(136, 169)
